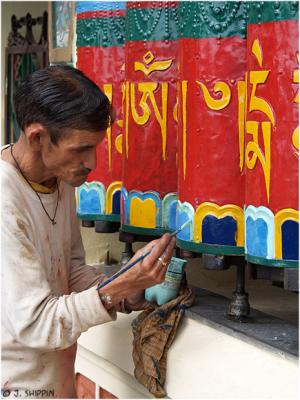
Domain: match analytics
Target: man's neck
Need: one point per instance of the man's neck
(29, 162)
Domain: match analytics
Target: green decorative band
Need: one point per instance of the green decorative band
(272, 11)
(97, 217)
(143, 231)
(210, 248)
(153, 24)
(273, 263)
(212, 19)
(192, 19)
(103, 32)
(69, 64)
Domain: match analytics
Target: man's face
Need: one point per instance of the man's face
(73, 157)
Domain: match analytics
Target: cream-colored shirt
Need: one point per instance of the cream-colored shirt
(48, 293)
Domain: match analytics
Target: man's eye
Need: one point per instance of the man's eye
(83, 149)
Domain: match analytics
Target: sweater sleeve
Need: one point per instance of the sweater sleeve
(30, 312)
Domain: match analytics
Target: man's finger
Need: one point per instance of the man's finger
(163, 261)
(159, 249)
(168, 253)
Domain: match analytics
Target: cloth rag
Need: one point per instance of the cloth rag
(154, 331)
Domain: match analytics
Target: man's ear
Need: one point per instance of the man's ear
(36, 135)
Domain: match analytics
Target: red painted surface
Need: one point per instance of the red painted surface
(212, 156)
(103, 66)
(105, 394)
(152, 4)
(101, 14)
(145, 169)
(85, 388)
(279, 44)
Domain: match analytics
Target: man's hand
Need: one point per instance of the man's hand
(148, 272)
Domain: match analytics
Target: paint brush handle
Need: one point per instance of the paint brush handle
(126, 268)
(180, 228)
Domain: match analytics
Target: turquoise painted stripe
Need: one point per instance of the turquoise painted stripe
(143, 231)
(273, 263)
(272, 11)
(210, 248)
(84, 6)
(97, 217)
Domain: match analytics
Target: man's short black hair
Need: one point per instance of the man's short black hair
(62, 98)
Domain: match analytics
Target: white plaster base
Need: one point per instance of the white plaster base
(203, 363)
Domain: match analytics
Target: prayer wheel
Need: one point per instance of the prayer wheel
(212, 57)
(101, 56)
(148, 205)
(206, 128)
(271, 135)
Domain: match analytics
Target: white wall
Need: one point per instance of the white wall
(204, 362)
(20, 9)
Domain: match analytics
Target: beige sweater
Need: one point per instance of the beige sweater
(48, 293)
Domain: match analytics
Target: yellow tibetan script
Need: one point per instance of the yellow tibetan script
(216, 104)
(108, 90)
(139, 96)
(295, 137)
(253, 150)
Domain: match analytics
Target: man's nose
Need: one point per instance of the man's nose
(91, 161)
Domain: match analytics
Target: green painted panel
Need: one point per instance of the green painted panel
(143, 231)
(97, 217)
(100, 32)
(268, 11)
(273, 263)
(210, 248)
(152, 24)
(207, 19)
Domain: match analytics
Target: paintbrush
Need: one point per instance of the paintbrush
(140, 258)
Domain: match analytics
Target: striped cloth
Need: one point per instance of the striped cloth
(154, 331)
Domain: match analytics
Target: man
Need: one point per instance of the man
(49, 295)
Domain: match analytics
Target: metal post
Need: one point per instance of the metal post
(239, 307)
(127, 254)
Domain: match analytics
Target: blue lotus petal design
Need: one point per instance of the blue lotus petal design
(91, 198)
(185, 212)
(256, 237)
(219, 231)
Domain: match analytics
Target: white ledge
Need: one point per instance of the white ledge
(203, 363)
